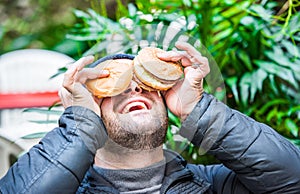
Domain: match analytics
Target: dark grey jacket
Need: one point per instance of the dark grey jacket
(255, 158)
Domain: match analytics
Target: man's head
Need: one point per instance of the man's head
(135, 119)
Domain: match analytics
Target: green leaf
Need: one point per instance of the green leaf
(97, 48)
(223, 34)
(263, 13)
(170, 17)
(233, 10)
(258, 78)
(132, 10)
(21, 42)
(174, 119)
(169, 139)
(247, 21)
(245, 58)
(80, 14)
(35, 135)
(98, 20)
(279, 57)
(291, 48)
(282, 72)
(273, 83)
(292, 110)
(222, 25)
(43, 111)
(232, 82)
(59, 72)
(83, 37)
(271, 114)
(245, 86)
(46, 121)
(294, 25)
(292, 126)
(272, 103)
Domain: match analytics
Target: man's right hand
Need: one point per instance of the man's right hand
(73, 92)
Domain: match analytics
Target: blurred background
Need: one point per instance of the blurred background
(253, 47)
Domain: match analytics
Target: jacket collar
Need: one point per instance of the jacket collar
(175, 170)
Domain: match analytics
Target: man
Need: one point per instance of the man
(106, 146)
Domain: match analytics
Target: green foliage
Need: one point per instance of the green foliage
(38, 24)
(254, 44)
(265, 77)
(128, 35)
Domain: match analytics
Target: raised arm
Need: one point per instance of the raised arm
(59, 162)
(260, 159)
(256, 157)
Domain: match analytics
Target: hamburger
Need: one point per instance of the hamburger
(150, 73)
(120, 76)
(153, 74)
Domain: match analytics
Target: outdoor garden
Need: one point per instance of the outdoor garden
(253, 47)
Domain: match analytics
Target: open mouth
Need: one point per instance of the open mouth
(135, 106)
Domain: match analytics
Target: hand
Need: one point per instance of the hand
(183, 97)
(73, 93)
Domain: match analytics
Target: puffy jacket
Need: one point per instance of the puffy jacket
(255, 158)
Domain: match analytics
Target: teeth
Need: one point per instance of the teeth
(141, 105)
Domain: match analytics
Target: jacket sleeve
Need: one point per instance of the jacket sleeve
(258, 157)
(59, 162)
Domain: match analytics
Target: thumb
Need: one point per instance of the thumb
(82, 97)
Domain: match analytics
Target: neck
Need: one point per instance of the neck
(127, 159)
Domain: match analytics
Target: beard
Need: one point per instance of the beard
(145, 134)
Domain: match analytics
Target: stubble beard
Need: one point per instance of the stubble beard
(127, 135)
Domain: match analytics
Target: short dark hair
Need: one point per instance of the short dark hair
(113, 57)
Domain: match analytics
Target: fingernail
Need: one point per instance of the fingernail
(105, 72)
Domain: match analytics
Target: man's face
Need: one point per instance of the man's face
(135, 119)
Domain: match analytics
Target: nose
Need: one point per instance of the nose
(133, 88)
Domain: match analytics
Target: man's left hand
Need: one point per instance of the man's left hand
(183, 97)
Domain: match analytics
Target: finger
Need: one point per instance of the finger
(194, 55)
(80, 64)
(91, 73)
(171, 55)
(192, 51)
(203, 65)
(198, 71)
(77, 66)
(71, 73)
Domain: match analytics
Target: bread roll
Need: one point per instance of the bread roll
(156, 74)
(120, 76)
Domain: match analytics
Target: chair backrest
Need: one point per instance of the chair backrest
(24, 75)
(25, 83)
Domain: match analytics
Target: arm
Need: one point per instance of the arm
(261, 159)
(59, 162)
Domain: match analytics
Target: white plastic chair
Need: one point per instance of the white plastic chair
(25, 83)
